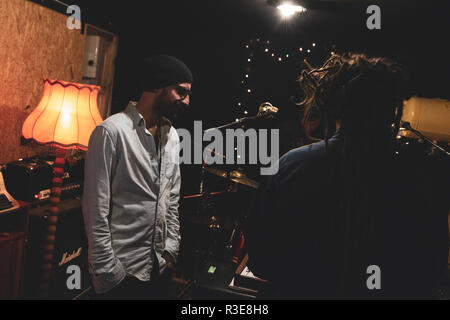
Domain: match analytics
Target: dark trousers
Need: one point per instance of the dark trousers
(131, 288)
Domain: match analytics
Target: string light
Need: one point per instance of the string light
(260, 48)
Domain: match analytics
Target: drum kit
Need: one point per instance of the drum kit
(212, 220)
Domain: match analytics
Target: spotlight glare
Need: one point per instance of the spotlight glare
(288, 9)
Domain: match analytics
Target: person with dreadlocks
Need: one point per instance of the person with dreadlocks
(332, 211)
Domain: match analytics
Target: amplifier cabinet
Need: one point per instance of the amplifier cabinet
(70, 250)
(11, 262)
(13, 231)
(27, 179)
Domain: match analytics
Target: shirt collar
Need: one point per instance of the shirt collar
(138, 118)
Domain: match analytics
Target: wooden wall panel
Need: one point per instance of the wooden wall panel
(34, 44)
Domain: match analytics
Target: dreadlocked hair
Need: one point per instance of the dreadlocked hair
(365, 96)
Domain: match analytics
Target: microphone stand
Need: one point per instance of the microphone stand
(266, 111)
(407, 126)
(237, 122)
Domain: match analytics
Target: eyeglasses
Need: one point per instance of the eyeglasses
(182, 92)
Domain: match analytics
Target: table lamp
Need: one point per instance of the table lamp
(64, 119)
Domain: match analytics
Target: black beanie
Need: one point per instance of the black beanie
(160, 71)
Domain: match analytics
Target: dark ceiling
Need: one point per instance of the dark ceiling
(210, 36)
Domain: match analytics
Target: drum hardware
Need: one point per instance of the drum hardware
(235, 176)
(407, 126)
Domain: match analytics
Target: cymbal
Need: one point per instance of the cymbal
(235, 176)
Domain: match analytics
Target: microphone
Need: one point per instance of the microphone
(407, 126)
(267, 110)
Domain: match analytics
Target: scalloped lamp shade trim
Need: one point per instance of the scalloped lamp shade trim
(66, 115)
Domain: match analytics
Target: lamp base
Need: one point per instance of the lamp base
(52, 220)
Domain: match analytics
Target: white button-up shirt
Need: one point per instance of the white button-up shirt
(130, 199)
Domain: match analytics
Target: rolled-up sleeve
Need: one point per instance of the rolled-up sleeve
(172, 218)
(106, 270)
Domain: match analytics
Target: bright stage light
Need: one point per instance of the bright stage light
(288, 9)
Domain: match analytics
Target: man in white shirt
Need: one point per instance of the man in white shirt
(132, 187)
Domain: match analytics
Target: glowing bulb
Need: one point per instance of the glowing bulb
(249, 60)
(245, 112)
(287, 56)
(279, 59)
(246, 75)
(249, 91)
(301, 49)
(309, 51)
(332, 52)
(246, 46)
(273, 54)
(288, 9)
(313, 44)
(267, 50)
(239, 104)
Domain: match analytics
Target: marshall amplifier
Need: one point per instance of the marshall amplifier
(70, 263)
(31, 179)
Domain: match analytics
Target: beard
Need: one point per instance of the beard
(171, 110)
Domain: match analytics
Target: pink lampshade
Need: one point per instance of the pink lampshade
(66, 115)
